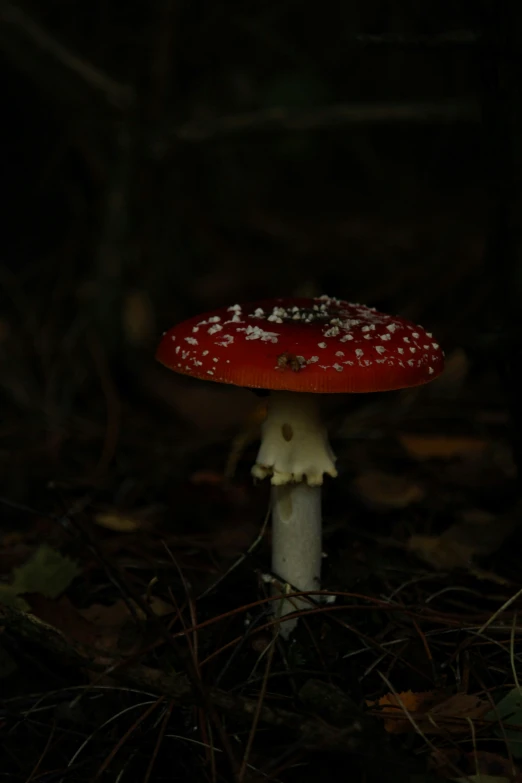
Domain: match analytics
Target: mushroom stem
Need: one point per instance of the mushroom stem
(295, 453)
(294, 441)
(296, 544)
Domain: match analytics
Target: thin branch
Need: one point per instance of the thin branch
(177, 687)
(29, 46)
(337, 115)
(450, 38)
(501, 95)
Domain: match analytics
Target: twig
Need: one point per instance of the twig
(450, 38)
(36, 768)
(241, 558)
(159, 740)
(279, 118)
(122, 740)
(316, 733)
(414, 723)
(112, 407)
(25, 42)
(260, 702)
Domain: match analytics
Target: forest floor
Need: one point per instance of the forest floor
(138, 642)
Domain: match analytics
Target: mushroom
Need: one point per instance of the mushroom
(299, 349)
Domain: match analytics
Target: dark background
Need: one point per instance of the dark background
(160, 159)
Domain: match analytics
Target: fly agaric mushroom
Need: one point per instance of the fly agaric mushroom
(298, 349)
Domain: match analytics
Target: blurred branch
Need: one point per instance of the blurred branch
(31, 48)
(162, 61)
(501, 96)
(450, 38)
(115, 252)
(280, 118)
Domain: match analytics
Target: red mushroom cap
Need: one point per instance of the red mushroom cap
(321, 345)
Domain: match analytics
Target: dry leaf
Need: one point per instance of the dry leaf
(477, 534)
(509, 712)
(440, 446)
(105, 628)
(459, 708)
(47, 572)
(383, 490)
(62, 615)
(9, 597)
(118, 613)
(392, 706)
(107, 616)
(207, 477)
(159, 606)
(442, 552)
(432, 712)
(120, 523)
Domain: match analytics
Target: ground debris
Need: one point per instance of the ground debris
(383, 490)
(430, 712)
(477, 534)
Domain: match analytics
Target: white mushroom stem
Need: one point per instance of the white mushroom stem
(296, 545)
(295, 453)
(294, 441)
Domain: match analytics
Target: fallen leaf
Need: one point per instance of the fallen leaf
(207, 477)
(159, 606)
(383, 490)
(460, 707)
(432, 712)
(391, 707)
(430, 446)
(120, 523)
(488, 468)
(509, 711)
(476, 534)
(104, 628)
(9, 597)
(118, 613)
(106, 616)
(62, 615)
(441, 552)
(47, 572)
